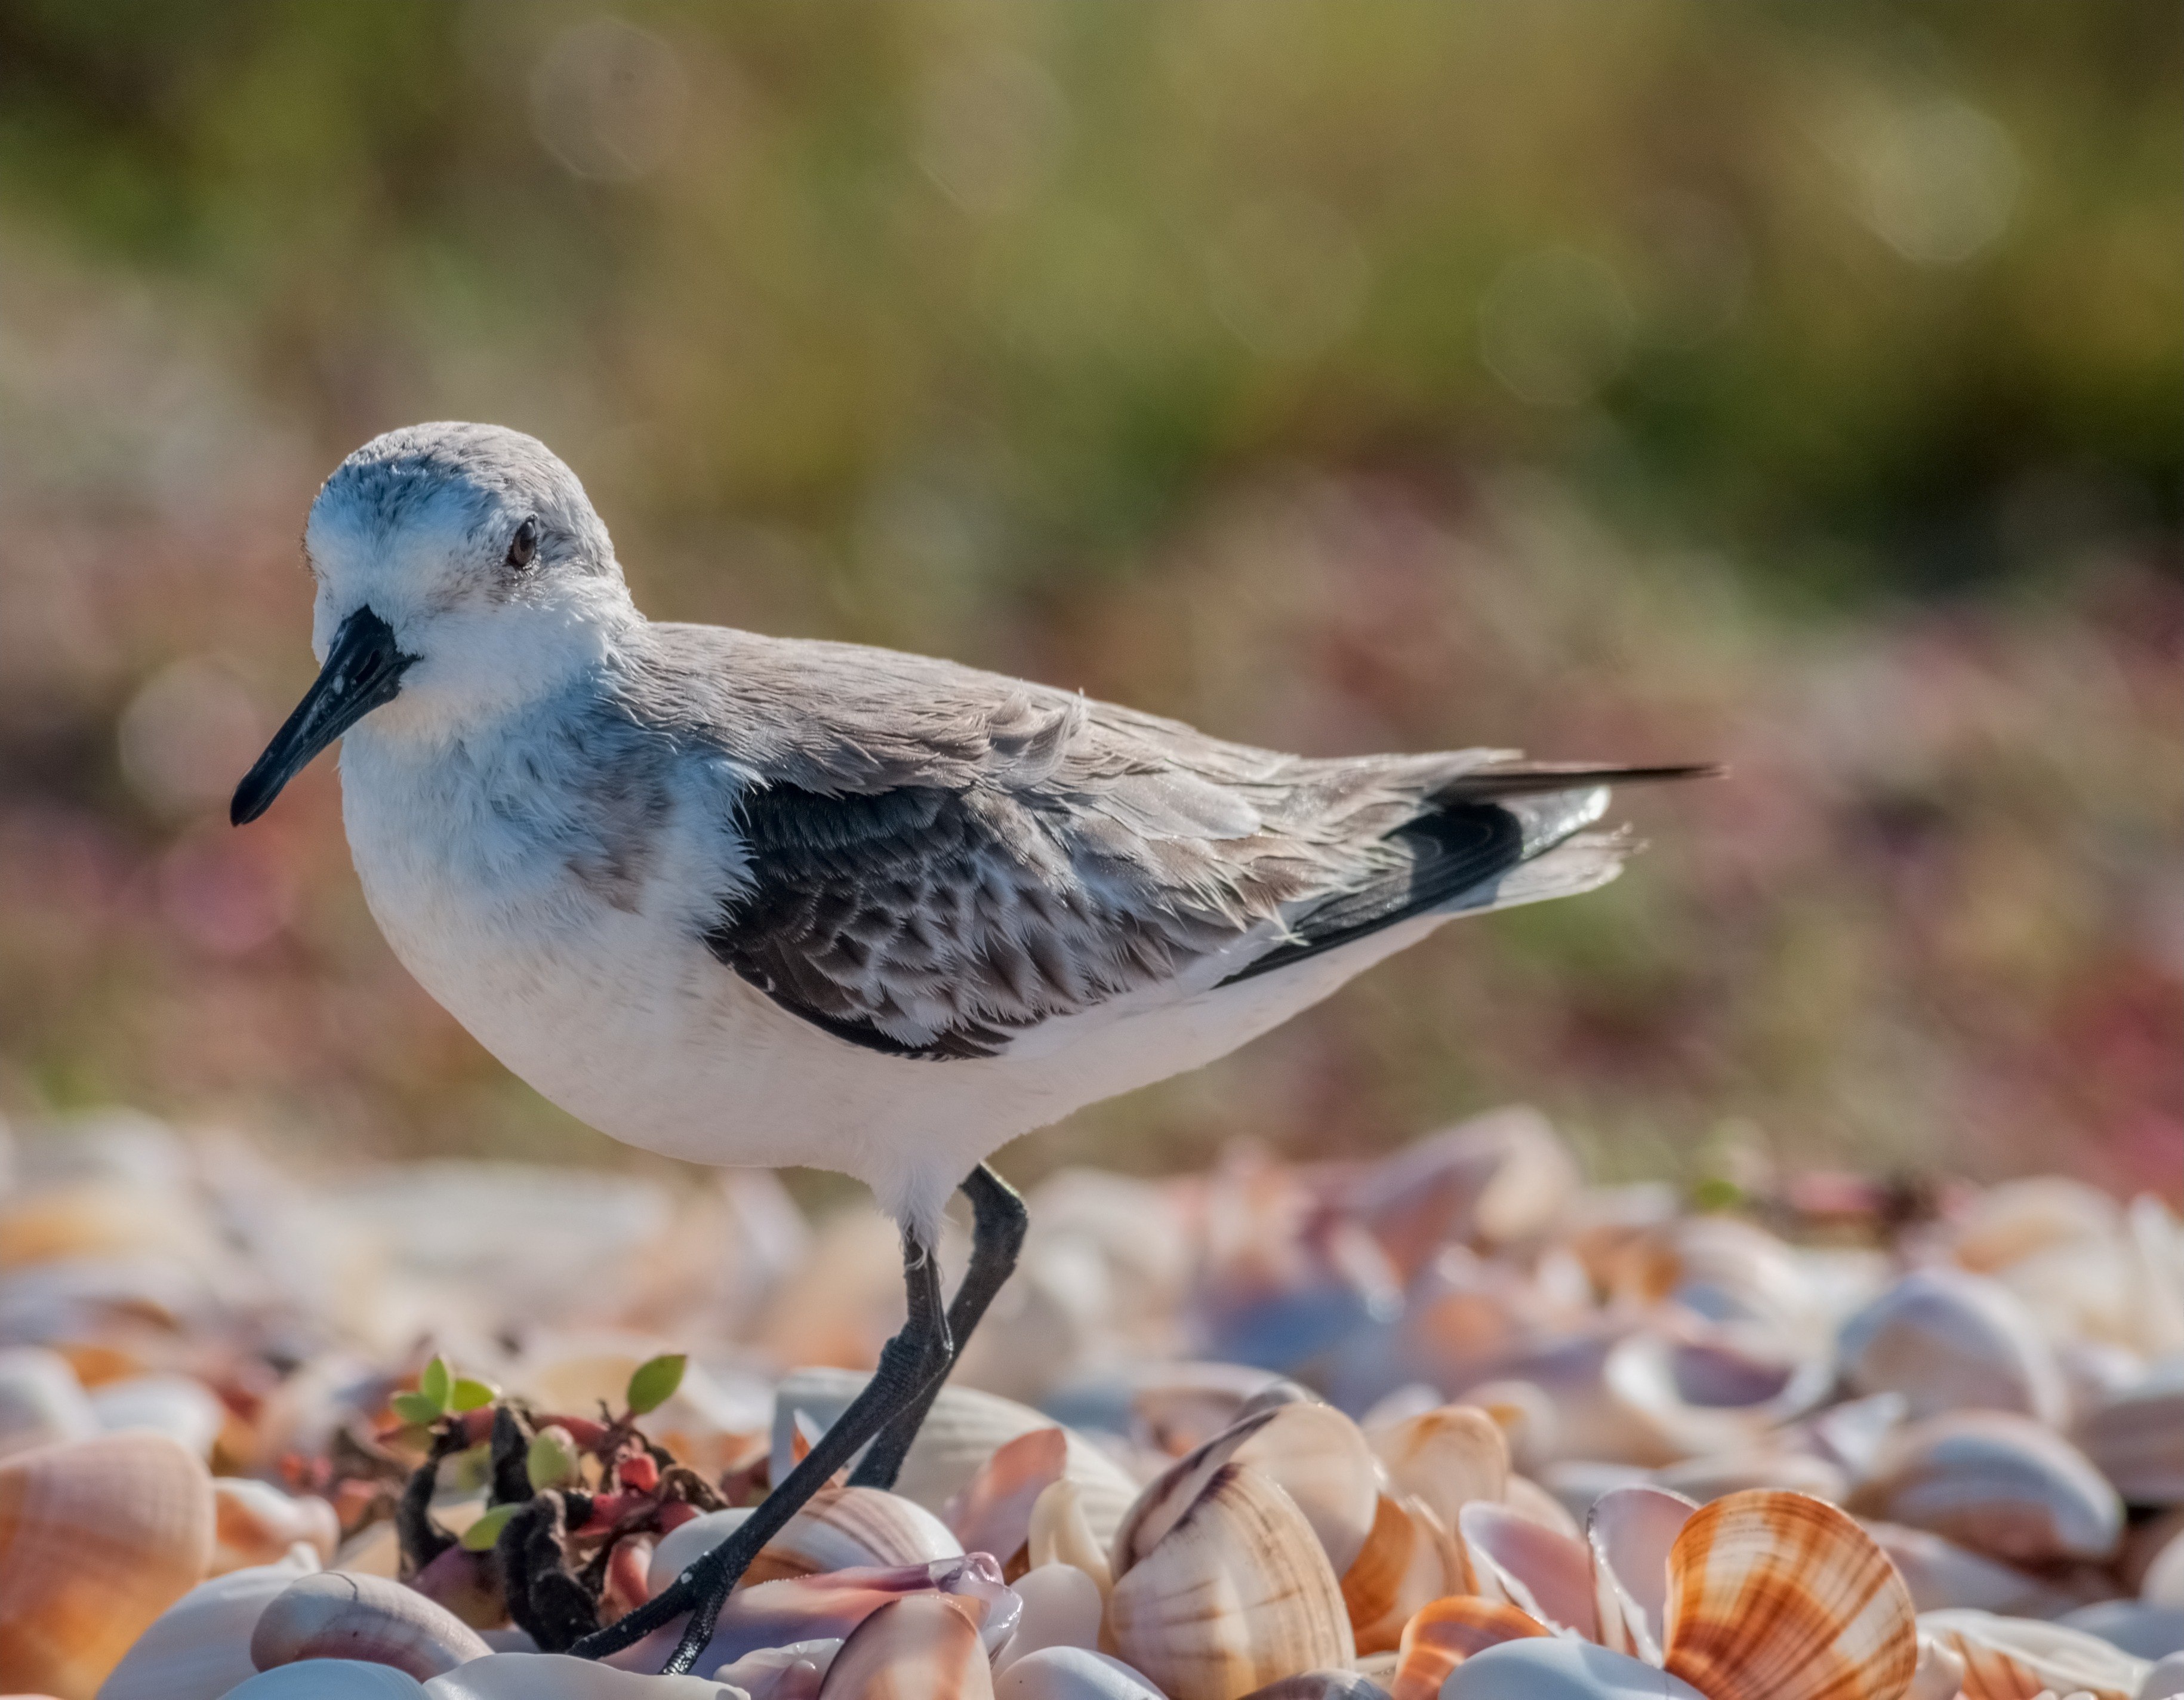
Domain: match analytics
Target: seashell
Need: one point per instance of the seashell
(1060, 1534)
(1779, 1596)
(1446, 1457)
(41, 1403)
(1410, 1558)
(2141, 1630)
(2136, 1441)
(2008, 1223)
(686, 1543)
(1322, 1684)
(1724, 1270)
(849, 1529)
(1948, 1340)
(1706, 1478)
(1939, 1674)
(1631, 1531)
(1577, 1484)
(1236, 1593)
(98, 1538)
(1061, 1608)
(200, 1648)
(2162, 1584)
(922, 1646)
(1544, 1574)
(254, 1522)
(1998, 1483)
(1850, 1435)
(331, 1679)
(1555, 1669)
(1523, 1412)
(556, 1677)
(1070, 1673)
(2165, 1680)
(1499, 1176)
(963, 1429)
(1941, 1575)
(2014, 1659)
(1704, 1390)
(176, 1405)
(1443, 1634)
(992, 1512)
(793, 1672)
(336, 1615)
(1321, 1460)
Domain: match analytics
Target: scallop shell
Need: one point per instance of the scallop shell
(1237, 1592)
(2014, 1659)
(254, 1522)
(1778, 1597)
(98, 1538)
(1443, 1634)
(2136, 1441)
(922, 1646)
(335, 1615)
(849, 1529)
(200, 1648)
(1410, 1558)
(1070, 1673)
(1447, 1457)
(992, 1512)
(1947, 1340)
(1999, 1484)
(1631, 1531)
(1544, 1574)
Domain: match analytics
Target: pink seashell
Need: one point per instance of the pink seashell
(923, 1646)
(335, 1614)
(1542, 1573)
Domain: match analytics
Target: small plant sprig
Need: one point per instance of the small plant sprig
(440, 1392)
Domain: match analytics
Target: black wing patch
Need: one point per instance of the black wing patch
(1452, 849)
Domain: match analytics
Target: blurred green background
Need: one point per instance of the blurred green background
(1793, 386)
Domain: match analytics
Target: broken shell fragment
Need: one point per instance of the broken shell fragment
(335, 1615)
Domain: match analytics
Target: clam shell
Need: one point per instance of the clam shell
(1997, 1483)
(1947, 1340)
(331, 1679)
(1779, 1596)
(1447, 1457)
(1237, 1592)
(1070, 1672)
(1547, 1575)
(1631, 1531)
(992, 1512)
(922, 1646)
(2136, 1441)
(41, 1403)
(200, 1648)
(556, 1677)
(1443, 1634)
(336, 1615)
(1557, 1669)
(254, 1522)
(849, 1529)
(1321, 1460)
(98, 1538)
(2014, 1659)
(686, 1543)
(1061, 1608)
(1941, 1575)
(1410, 1559)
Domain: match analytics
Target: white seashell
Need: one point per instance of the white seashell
(556, 1677)
(1060, 1534)
(2165, 1680)
(2006, 1659)
(1939, 1675)
(98, 1538)
(1779, 1596)
(41, 1402)
(1998, 1483)
(2162, 1584)
(1850, 1435)
(793, 1672)
(1237, 1592)
(331, 1679)
(2008, 1223)
(1559, 1669)
(2141, 1630)
(1321, 1460)
(254, 1522)
(1446, 1457)
(1941, 1575)
(183, 1409)
(683, 1546)
(1631, 1531)
(336, 1615)
(1070, 1672)
(1061, 1608)
(1521, 1409)
(922, 1646)
(1441, 1635)
(2136, 1441)
(1704, 1390)
(1948, 1341)
(1411, 1559)
(200, 1648)
(1706, 1478)
(852, 1528)
(1545, 1575)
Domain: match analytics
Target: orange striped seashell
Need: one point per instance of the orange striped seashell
(1775, 1596)
(1446, 1457)
(1443, 1634)
(1410, 1559)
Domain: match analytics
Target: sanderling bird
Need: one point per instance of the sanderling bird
(755, 900)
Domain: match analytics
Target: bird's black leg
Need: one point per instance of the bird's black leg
(998, 1222)
(913, 1361)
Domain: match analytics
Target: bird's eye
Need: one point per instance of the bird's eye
(523, 545)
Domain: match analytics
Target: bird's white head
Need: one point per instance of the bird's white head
(462, 577)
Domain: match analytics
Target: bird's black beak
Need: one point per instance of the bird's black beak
(364, 669)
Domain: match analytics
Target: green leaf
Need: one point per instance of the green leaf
(654, 1381)
(469, 1394)
(481, 1535)
(415, 1408)
(438, 1381)
(553, 1459)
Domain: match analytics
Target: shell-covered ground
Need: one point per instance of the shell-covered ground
(1456, 1422)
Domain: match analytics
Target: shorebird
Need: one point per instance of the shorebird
(754, 900)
